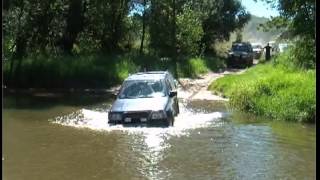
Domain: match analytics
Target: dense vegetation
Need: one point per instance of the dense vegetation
(100, 70)
(62, 34)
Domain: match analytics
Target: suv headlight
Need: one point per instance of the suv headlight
(115, 116)
(158, 115)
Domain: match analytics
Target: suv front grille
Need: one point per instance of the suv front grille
(136, 116)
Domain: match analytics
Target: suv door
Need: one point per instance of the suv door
(172, 82)
(172, 100)
(172, 87)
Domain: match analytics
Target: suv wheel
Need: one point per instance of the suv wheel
(169, 121)
(177, 109)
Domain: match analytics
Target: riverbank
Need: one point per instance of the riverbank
(272, 90)
(189, 88)
(99, 71)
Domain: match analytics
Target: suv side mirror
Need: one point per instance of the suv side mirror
(173, 93)
(176, 83)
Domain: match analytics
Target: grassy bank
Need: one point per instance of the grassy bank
(99, 71)
(274, 89)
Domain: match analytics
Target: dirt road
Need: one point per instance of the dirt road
(192, 89)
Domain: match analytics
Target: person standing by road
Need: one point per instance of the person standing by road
(268, 48)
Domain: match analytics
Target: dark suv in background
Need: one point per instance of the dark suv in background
(146, 97)
(241, 54)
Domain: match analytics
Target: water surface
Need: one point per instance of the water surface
(67, 137)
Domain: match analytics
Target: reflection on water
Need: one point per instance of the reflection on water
(67, 141)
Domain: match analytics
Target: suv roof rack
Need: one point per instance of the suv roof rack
(153, 72)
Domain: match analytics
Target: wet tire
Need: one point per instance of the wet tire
(169, 121)
(178, 110)
(112, 123)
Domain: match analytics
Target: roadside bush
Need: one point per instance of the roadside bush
(300, 56)
(304, 53)
(192, 67)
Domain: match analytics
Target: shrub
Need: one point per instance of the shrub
(192, 67)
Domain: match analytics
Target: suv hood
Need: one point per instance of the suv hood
(140, 104)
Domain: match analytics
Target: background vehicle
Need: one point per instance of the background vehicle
(241, 54)
(148, 97)
(257, 50)
(283, 47)
(274, 48)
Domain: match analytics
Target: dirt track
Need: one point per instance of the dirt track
(192, 89)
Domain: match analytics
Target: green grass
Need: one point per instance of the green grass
(192, 67)
(73, 72)
(273, 90)
(100, 71)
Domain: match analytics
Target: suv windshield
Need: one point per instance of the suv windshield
(142, 89)
(240, 48)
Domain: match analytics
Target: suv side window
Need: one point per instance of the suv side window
(169, 87)
(250, 48)
(171, 81)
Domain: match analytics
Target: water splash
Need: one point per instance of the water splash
(97, 120)
(155, 138)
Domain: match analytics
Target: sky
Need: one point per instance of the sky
(259, 8)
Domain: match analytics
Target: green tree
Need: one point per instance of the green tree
(239, 36)
(160, 28)
(222, 18)
(189, 31)
(74, 24)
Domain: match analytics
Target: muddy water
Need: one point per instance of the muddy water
(67, 137)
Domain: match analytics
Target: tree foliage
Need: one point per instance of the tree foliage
(189, 31)
(171, 27)
(222, 19)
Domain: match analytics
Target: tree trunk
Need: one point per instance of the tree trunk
(174, 41)
(143, 26)
(75, 23)
(174, 24)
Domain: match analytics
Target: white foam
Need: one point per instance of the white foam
(154, 136)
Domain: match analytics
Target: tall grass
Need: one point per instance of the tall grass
(273, 90)
(99, 71)
(96, 71)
